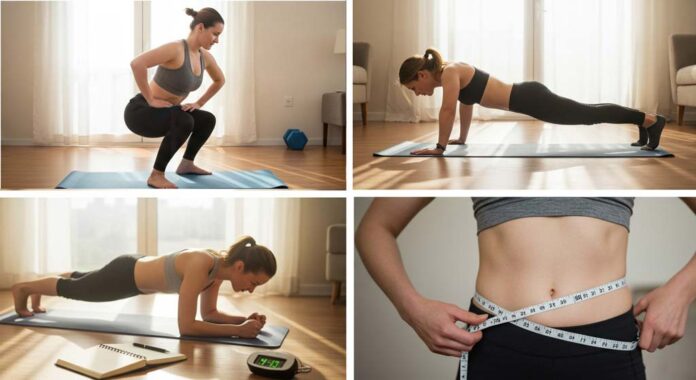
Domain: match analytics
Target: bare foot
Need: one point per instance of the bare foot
(20, 300)
(159, 181)
(459, 141)
(36, 304)
(187, 167)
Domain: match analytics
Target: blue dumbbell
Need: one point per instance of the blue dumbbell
(295, 139)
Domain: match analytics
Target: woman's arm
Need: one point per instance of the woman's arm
(465, 113)
(216, 75)
(433, 321)
(667, 307)
(448, 109)
(195, 278)
(150, 58)
(209, 311)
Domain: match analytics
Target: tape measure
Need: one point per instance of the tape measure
(518, 318)
(276, 364)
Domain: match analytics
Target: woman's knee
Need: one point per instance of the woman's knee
(204, 119)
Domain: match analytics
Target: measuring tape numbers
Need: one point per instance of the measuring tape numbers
(518, 318)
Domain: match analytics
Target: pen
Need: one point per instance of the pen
(145, 346)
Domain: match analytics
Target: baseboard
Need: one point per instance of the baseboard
(17, 142)
(319, 289)
(259, 142)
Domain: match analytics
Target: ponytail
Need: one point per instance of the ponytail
(256, 258)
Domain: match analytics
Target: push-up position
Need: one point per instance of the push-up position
(469, 85)
(188, 272)
(157, 110)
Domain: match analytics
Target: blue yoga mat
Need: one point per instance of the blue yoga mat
(133, 324)
(405, 148)
(257, 179)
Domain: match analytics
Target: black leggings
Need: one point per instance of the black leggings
(172, 123)
(116, 280)
(536, 100)
(510, 352)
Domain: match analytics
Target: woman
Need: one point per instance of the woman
(191, 273)
(530, 251)
(157, 111)
(469, 85)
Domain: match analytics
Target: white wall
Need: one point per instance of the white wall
(440, 253)
(294, 56)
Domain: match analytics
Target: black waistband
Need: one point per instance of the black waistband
(622, 328)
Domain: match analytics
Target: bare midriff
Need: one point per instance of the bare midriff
(149, 271)
(527, 261)
(162, 94)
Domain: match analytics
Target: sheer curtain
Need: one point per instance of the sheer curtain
(85, 81)
(593, 51)
(587, 49)
(54, 235)
(485, 33)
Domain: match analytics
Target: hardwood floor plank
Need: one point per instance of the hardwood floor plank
(29, 167)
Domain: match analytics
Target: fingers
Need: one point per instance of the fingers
(467, 316)
(646, 336)
(640, 306)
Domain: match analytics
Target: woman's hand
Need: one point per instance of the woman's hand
(428, 152)
(666, 309)
(159, 103)
(434, 322)
(258, 317)
(190, 107)
(249, 329)
(459, 141)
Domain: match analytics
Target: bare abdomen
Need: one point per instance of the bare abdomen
(531, 260)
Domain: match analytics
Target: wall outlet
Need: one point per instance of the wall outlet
(289, 101)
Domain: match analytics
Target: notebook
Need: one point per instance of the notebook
(107, 360)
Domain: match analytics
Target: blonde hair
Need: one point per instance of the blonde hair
(256, 258)
(430, 61)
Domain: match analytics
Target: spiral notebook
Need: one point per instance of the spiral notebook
(107, 360)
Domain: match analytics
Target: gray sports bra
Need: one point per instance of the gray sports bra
(180, 81)
(490, 212)
(173, 280)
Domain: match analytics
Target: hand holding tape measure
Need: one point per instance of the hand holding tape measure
(434, 322)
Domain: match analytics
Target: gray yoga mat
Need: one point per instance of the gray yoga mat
(133, 324)
(405, 148)
(257, 179)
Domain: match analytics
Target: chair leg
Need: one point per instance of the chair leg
(336, 292)
(363, 108)
(343, 143)
(326, 128)
(680, 115)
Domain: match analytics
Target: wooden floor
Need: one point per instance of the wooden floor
(317, 336)
(314, 168)
(499, 173)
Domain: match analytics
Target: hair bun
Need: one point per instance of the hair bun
(191, 12)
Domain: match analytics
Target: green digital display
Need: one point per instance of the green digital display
(269, 362)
